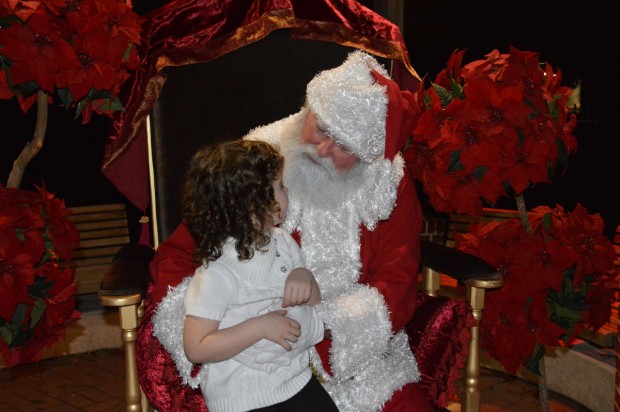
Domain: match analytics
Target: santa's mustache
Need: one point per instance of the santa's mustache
(309, 151)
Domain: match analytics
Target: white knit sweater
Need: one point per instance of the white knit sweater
(231, 291)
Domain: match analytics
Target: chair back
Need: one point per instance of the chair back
(224, 99)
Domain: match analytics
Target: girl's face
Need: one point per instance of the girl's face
(281, 194)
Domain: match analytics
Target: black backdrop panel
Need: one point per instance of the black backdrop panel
(224, 99)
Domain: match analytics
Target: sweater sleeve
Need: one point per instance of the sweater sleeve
(391, 255)
(209, 293)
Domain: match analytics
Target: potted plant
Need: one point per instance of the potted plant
(494, 128)
(75, 54)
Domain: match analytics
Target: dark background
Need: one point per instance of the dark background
(580, 38)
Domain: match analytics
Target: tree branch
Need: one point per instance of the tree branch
(32, 147)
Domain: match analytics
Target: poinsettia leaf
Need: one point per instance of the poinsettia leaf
(567, 305)
(40, 288)
(113, 105)
(562, 152)
(20, 313)
(568, 314)
(27, 88)
(427, 101)
(521, 136)
(533, 362)
(455, 161)
(457, 89)
(99, 94)
(38, 309)
(508, 186)
(6, 21)
(7, 334)
(66, 97)
(551, 169)
(534, 112)
(19, 232)
(21, 338)
(479, 172)
(80, 106)
(127, 54)
(5, 63)
(552, 108)
(546, 221)
(445, 97)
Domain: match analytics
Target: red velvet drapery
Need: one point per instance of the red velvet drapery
(193, 31)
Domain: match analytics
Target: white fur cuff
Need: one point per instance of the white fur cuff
(360, 328)
(168, 324)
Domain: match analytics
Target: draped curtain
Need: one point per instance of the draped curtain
(195, 31)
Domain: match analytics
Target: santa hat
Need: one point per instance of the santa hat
(350, 103)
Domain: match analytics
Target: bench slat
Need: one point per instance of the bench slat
(103, 231)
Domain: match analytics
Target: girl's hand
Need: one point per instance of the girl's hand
(280, 329)
(298, 287)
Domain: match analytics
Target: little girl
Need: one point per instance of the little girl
(251, 271)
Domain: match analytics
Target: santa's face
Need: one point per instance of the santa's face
(326, 147)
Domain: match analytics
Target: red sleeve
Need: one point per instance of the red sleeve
(391, 255)
(172, 263)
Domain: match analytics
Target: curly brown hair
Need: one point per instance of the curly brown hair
(228, 193)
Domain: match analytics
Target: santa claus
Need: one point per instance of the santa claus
(354, 210)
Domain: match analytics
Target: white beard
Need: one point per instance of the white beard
(314, 180)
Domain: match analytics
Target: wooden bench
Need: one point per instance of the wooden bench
(103, 231)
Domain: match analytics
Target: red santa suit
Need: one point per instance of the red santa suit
(359, 236)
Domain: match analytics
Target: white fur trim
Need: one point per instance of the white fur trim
(373, 386)
(368, 362)
(360, 328)
(350, 106)
(168, 324)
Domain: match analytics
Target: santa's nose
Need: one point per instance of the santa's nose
(324, 148)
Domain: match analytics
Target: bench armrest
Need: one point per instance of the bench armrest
(459, 265)
(129, 272)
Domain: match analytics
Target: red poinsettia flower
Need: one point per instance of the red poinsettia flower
(5, 90)
(16, 274)
(120, 21)
(524, 163)
(496, 106)
(63, 233)
(36, 50)
(492, 67)
(524, 71)
(435, 125)
(94, 70)
(500, 119)
(70, 47)
(452, 70)
(543, 330)
(457, 185)
(34, 277)
(548, 293)
(21, 8)
(502, 330)
(477, 148)
(544, 261)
